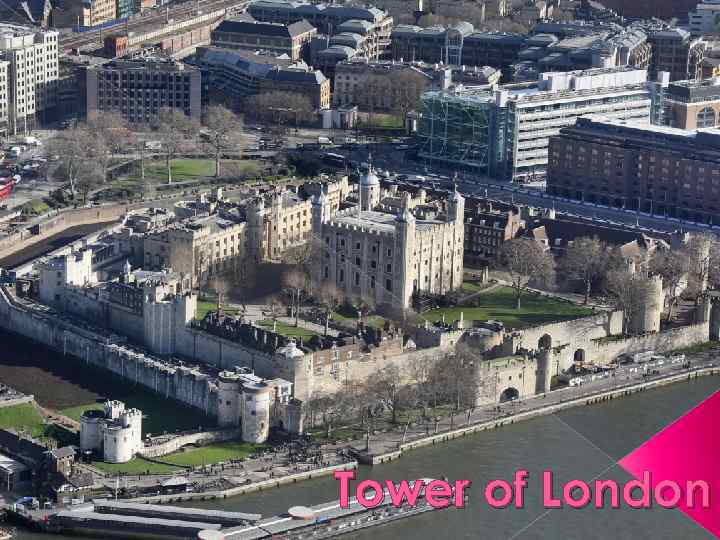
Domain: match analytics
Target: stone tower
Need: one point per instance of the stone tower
(456, 216)
(228, 398)
(404, 285)
(255, 403)
(256, 229)
(646, 319)
(320, 212)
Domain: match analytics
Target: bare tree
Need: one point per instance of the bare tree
(673, 267)
(279, 107)
(73, 146)
(296, 282)
(386, 385)
(111, 133)
(222, 287)
(586, 260)
(329, 297)
(408, 86)
(221, 132)
(332, 409)
(525, 260)
(629, 291)
(175, 131)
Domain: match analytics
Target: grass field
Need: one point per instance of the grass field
(203, 308)
(288, 330)
(351, 322)
(22, 417)
(499, 305)
(183, 170)
(205, 455)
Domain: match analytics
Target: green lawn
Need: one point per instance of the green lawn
(375, 321)
(203, 308)
(288, 330)
(22, 417)
(471, 287)
(205, 455)
(159, 414)
(499, 305)
(183, 170)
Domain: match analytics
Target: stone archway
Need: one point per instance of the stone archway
(509, 394)
(579, 356)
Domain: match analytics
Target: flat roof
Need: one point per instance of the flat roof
(164, 510)
(81, 516)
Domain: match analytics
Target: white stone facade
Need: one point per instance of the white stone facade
(115, 431)
(386, 257)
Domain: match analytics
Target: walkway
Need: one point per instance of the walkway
(381, 443)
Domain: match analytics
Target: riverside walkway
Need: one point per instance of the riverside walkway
(389, 445)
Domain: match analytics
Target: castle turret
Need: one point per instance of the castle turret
(255, 412)
(91, 430)
(403, 284)
(648, 312)
(296, 367)
(256, 229)
(320, 212)
(228, 399)
(369, 189)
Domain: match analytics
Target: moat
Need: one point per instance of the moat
(576, 443)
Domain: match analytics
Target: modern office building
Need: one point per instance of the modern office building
(661, 170)
(292, 39)
(703, 20)
(30, 85)
(505, 132)
(236, 74)
(139, 89)
(674, 50)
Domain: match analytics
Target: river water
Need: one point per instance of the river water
(581, 443)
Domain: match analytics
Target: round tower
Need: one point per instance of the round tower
(296, 368)
(228, 398)
(255, 412)
(646, 319)
(117, 447)
(91, 430)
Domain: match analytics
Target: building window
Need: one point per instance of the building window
(388, 284)
(706, 118)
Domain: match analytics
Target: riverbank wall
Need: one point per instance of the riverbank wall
(615, 393)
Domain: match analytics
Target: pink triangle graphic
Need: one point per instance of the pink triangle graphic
(686, 450)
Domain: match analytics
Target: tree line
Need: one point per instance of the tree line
(687, 269)
(86, 151)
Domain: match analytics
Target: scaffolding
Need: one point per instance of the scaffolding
(456, 129)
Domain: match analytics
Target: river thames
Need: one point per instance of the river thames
(581, 443)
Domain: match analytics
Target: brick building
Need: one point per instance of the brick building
(660, 170)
